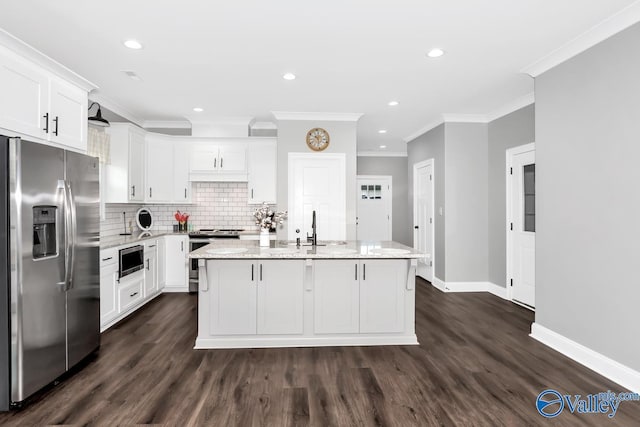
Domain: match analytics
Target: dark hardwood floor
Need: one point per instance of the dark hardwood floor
(475, 366)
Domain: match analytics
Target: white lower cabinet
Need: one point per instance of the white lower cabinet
(255, 297)
(130, 291)
(108, 286)
(150, 268)
(176, 263)
(365, 296)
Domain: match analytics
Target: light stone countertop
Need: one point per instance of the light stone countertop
(140, 236)
(352, 249)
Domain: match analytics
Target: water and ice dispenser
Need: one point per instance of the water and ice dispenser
(44, 231)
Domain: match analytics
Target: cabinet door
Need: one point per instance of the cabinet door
(204, 158)
(68, 115)
(232, 293)
(25, 97)
(382, 292)
(261, 166)
(160, 261)
(176, 249)
(181, 183)
(280, 296)
(336, 296)
(151, 270)
(232, 158)
(159, 171)
(136, 166)
(108, 296)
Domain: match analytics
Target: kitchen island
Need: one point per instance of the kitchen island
(333, 294)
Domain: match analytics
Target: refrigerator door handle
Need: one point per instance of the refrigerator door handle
(74, 228)
(62, 185)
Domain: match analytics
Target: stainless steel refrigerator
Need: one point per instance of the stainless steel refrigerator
(49, 265)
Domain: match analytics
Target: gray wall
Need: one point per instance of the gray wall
(430, 146)
(397, 168)
(505, 132)
(588, 202)
(466, 202)
(292, 139)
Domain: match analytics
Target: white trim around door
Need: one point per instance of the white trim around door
(427, 269)
(509, 224)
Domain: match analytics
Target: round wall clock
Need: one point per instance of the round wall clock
(317, 139)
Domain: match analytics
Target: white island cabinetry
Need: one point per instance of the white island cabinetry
(283, 296)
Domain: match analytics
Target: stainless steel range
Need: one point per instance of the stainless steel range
(203, 237)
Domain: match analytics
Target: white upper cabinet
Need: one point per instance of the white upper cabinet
(159, 167)
(262, 167)
(38, 103)
(136, 165)
(124, 176)
(218, 161)
(181, 184)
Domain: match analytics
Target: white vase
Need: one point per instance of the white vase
(264, 237)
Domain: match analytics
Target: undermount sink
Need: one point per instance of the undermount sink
(226, 251)
(336, 251)
(281, 251)
(389, 251)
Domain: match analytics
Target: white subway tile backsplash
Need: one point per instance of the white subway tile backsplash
(216, 205)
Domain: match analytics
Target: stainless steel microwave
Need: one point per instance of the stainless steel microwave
(131, 260)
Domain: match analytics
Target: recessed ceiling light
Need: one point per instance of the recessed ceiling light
(289, 76)
(383, 147)
(133, 44)
(198, 109)
(393, 103)
(435, 53)
(382, 131)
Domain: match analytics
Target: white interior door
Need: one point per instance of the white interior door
(522, 224)
(374, 208)
(423, 218)
(317, 183)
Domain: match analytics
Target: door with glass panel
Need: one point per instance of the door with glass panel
(522, 224)
(374, 208)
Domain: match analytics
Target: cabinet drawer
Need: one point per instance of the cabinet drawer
(108, 257)
(129, 295)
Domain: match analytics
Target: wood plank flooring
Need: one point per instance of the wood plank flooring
(475, 366)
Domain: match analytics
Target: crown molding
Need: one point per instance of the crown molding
(432, 125)
(381, 154)
(333, 117)
(115, 108)
(512, 106)
(263, 125)
(167, 124)
(28, 52)
(596, 34)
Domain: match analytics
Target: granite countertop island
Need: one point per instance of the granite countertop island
(334, 294)
(352, 249)
(137, 237)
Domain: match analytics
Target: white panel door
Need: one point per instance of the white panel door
(159, 171)
(382, 284)
(204, 158)
(68, 115)
(317, 183)
(524, 226)
(108, 294)
(232, 293)
(232, 158)
(423, 221)
(25, 97)
(176, 262)
(261, 166)
(336, 296)
(280, 296)
(374, 208)
(136, 166)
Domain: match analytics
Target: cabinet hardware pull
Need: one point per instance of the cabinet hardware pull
(152, 246)
(150, 191)
(133, 191)
(215, 163)
(107, 259)
(147, 264)
(181, 246)
(221, 160)
(185, 193)
(133, 294)
(356, 271)
(252, 272)
(261, 272)
(46, 123)
(364, 271)
(55, 132)
(252, 193)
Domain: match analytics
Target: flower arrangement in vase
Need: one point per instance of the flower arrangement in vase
(182, 219)
(266, 219)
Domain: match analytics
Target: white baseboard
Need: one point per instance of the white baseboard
(314, 341)
(609, 368)
(175, 289)
(492, 288)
